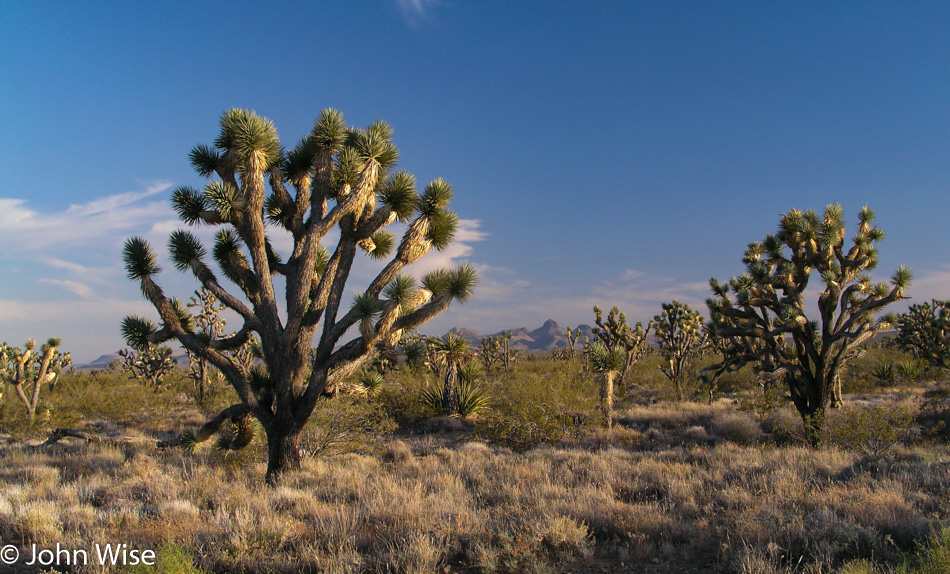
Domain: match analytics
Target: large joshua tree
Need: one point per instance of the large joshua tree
(335, 178)
(762, 311)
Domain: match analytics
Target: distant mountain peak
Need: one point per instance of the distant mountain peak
(547, 337)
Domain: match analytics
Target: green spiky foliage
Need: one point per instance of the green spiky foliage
(371, 380)
(607, 362)
(29, 368)
(616, 332)
(336, 177)
(150, 365)
(766, 304)
(925, 330)
(679, 335)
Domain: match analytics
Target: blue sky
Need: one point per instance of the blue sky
(617, 153)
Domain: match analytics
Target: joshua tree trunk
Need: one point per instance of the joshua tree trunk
(811, 398)
(283, 451)
(450, 400)
(607, 397)
(836, 399)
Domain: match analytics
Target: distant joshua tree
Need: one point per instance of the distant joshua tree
(28, 370)
(767, 305)
(680, 335)
(616, 332)
(341, 178)
(496, 350)
(150, 365)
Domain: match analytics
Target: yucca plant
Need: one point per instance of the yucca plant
(471, 397)
(371, 380)
(766, 304)
(910, 371)
(452, 353)
(336, 177)
(884, 373)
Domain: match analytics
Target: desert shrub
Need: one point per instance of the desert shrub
(932, 558)
(402, 396)
(934, 415)
(871, 430)
(118, 399)
(784, 426)
(169, 559)
(539, 402)
(525, 426)
(737, 428)
(763, 399)
(345, 424)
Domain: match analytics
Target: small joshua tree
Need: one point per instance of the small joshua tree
(925, 330)
(572, 336)
(28, 370)
(150, 365)
(767, 304)
(679, 333)
(209, 322)
(616, 332)
(607, 362)
(488, 352)
(336, 177)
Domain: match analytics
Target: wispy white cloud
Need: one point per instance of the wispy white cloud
(416, 12)
(23, 229)
(931, 285)
(73, 287)
(88, 327)
(99, 275)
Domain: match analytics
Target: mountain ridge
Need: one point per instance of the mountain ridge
(547, 337)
